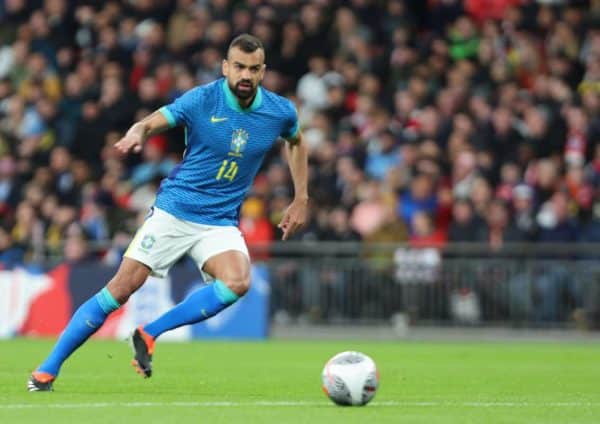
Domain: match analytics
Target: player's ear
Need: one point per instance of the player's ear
(262, 71)
(225, 67)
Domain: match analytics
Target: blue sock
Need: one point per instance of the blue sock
(88, 318)
(198, 306)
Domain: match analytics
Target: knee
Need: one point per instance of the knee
(238, 282)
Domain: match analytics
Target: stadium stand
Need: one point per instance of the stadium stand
(444, 121)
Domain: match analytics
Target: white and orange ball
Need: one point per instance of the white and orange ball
(350, 379)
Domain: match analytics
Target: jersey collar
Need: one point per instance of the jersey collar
(233, 103)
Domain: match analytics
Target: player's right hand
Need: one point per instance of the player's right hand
(133, 140)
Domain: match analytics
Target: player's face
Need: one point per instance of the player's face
(244, 71)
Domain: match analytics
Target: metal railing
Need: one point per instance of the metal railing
(522, 285)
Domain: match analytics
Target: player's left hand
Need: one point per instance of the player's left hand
(293, 218)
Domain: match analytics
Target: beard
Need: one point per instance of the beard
(243, 93)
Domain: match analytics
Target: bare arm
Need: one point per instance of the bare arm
(295, 215)
(297, 154)
(138, 133)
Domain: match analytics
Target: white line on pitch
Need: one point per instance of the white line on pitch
(295, 404)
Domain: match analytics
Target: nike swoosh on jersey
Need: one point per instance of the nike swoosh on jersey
(214, 119)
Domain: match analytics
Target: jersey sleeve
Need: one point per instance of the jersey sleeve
(292, 126)
(182, 109)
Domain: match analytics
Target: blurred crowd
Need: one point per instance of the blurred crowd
(429, 122)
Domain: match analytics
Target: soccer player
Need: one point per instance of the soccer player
(230, 124)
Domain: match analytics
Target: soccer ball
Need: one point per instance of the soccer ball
(350, 378)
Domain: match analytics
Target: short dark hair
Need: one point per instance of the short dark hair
(246, 43)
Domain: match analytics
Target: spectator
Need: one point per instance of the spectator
(555, 283)
(62, 217)
(481, 196)
(463, 174)
(465, 226)
(510, 176)
(60, 164)
(556, 226)
(27, 232)
(76, 249)
(383, 154)
(424, 233)
(524, 213)
(312, 89)
(339, 228)
(9, 185)
(498, 229)
(90, 134)
(420, 198)
(10, 255)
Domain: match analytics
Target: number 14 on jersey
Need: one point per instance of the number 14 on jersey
(228, 170)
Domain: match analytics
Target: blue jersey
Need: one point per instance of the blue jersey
(225, 146)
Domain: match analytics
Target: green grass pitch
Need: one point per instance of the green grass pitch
(279, 382)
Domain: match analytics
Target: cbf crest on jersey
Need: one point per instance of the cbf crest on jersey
(239, 139)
